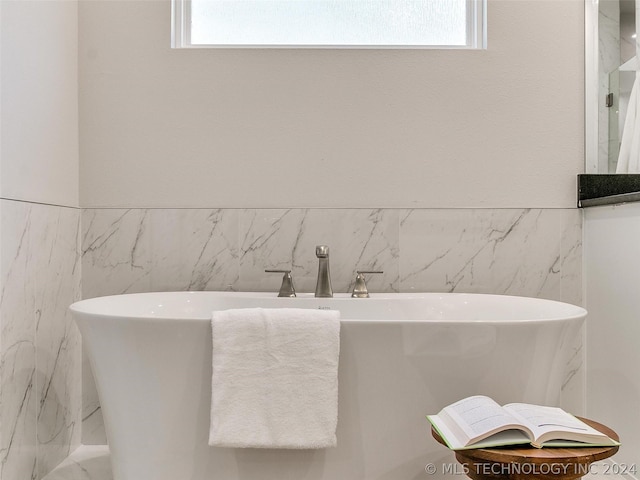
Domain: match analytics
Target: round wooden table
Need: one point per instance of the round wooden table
(526, 463)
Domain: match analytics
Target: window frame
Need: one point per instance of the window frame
(476, 32)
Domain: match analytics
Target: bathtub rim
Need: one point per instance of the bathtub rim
(87, 307)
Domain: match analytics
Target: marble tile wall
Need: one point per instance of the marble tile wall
(40, 354)
(532, 252)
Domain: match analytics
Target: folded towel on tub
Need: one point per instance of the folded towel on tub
(275, 378)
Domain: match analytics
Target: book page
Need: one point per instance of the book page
(552, 422)
(454, 442)
(479, 416)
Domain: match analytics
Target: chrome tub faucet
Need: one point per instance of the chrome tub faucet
(323, 286)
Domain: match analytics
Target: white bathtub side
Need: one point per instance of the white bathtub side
(154, 381)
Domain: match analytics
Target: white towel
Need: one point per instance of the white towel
(275, 378)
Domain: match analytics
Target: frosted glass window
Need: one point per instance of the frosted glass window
(328, 23)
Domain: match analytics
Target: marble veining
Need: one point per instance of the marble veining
(18, 405)
(39, 343)
(88, 462)
(58, 353)
(512, 252)
(286, 239)
(531, 252)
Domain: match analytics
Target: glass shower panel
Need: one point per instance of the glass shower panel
(614, 120)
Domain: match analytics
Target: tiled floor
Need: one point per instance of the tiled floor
(91, 462)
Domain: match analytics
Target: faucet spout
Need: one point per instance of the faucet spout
(323, 286)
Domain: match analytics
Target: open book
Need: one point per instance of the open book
(479, 422)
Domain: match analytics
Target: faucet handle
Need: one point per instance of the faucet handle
(360, 287)
(322, 251)
(286, 289)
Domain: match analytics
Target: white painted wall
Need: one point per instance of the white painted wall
(612, 282)
(39, 120)
(332, 128)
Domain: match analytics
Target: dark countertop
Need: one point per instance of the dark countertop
(608, 189)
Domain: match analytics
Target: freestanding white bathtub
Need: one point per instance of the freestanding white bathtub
(402, 356)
